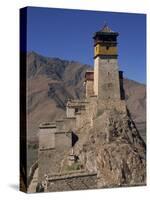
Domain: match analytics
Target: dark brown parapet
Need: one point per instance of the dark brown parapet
(89, 75)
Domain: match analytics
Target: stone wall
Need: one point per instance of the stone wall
(118, 105)
(63, 140)
(109, 79)
(47, 136)
(70, 112)
(46, 163)
(89, 88)
(59, 125)
(49, 162)
(106, 78)
(69, 123)
(54, 141)
(96, 75)
(96, 107)
(71, 181)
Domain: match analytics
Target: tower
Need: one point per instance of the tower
(106, 74)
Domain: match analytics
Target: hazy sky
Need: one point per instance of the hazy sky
(67, 34)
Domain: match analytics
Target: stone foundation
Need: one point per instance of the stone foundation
(89, 88)
(118, 105)
(71, 181)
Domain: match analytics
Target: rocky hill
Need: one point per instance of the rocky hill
(51, 81)
(112, 148)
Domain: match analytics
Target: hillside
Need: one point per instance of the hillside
(51, 81)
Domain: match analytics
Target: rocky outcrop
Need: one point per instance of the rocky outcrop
(114, 149)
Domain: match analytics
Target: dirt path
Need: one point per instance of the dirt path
(33, 184)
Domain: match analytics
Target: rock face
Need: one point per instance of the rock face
(114, 149)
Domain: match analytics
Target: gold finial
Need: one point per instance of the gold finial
(106, 28)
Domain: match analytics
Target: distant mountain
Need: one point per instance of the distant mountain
(51, 81)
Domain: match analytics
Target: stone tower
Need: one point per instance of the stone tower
(106, 74)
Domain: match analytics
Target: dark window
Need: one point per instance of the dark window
(76, 110)
(109, 85)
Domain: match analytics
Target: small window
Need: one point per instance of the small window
(109, 85)
(76, 110)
